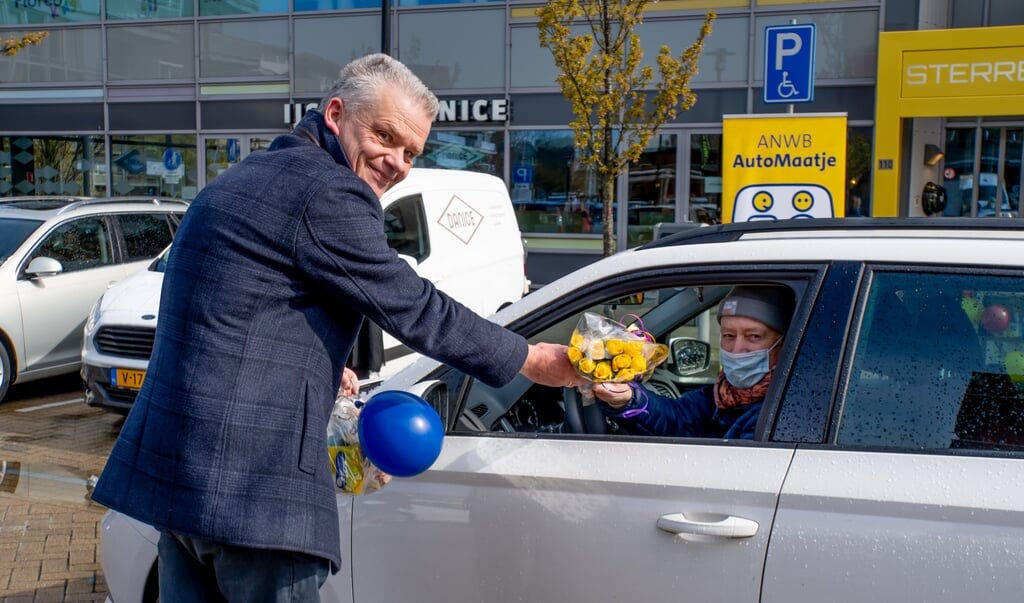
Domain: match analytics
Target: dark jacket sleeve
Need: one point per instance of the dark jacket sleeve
(686, 416)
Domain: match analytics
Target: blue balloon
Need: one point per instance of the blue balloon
(400, 433)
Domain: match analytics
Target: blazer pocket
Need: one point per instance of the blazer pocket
(313, 446)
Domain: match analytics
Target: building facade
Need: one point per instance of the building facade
(160, 96)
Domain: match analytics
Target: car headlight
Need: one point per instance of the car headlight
(94, 316)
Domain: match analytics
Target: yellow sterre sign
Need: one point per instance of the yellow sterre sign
(783, 166)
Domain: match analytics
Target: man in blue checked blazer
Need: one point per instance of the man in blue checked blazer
(274, 268)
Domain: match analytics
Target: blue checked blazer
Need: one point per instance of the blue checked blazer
(275, 265)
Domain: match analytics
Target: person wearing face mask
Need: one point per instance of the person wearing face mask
(274, 268)
(753, 321)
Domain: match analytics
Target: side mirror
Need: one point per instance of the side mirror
(43, 266)
(690, 356)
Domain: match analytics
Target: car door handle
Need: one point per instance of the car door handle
(725, 526)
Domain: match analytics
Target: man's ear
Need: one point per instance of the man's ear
(334, 112)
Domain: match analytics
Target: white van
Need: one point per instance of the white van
(457, 228)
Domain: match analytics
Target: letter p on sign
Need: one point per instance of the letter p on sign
(787, 45)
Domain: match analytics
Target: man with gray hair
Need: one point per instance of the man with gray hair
(273, 269)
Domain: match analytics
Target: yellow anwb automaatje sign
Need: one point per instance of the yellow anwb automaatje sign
(783, 166)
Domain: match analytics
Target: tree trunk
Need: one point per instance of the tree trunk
(607, 184)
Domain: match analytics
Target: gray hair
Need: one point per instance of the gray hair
(359, 84)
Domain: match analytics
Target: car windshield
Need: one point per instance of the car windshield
(13, 233)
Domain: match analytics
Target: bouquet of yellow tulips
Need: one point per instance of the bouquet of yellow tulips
(603, 350)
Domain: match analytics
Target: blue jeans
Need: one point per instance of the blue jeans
(197, 571)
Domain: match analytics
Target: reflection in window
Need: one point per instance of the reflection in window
(55, 165)
(145, 235)
(652, 189)
(449, 50)
(405, 226)
(848, 54)
(212, 8)
(148, 9)
(47, 11)
(150, 52)
(66, 55)
(244, 49)
(482, 151)
(304, 5)
(551, 190)
(325, 44)
(725, 52)
(939, 364)
(78, 245)
(154, 165)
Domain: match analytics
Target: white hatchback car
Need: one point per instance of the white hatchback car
(57, 255)
(887, 463)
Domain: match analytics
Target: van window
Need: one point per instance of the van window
(405, 226)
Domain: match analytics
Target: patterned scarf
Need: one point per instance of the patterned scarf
(729, 396)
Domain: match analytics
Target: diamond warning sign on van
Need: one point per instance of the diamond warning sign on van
(460, 219)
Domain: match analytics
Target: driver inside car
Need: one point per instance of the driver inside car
(753, 320)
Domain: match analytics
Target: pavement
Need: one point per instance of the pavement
(51, 444)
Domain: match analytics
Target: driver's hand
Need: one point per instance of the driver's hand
(615, 395)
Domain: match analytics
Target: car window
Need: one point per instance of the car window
(13, 233)
(78, 245)
(939, 364)
(684, 313)
(404, 224)
(145, 235)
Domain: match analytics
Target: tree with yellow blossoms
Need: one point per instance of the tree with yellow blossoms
(610, 92)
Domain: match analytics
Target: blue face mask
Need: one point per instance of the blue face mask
(745, 369)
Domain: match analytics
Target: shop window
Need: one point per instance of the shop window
(652, 189)
(57, 165)
(552, 191)
(48, 11)
(154, 165)
(476, 151)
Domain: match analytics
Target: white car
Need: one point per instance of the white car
(57, 255)
(887, 463)
(457, 228)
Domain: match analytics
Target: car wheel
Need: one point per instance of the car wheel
(580, 418)
(5, 371)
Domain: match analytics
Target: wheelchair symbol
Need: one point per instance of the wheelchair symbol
(786, 87)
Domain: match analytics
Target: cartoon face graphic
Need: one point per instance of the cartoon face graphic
(781, 202)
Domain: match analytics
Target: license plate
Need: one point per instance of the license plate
(127, 378)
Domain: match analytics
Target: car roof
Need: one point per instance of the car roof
(44, 207)
(818, 228)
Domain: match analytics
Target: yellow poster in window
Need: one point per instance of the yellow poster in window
(777, 167)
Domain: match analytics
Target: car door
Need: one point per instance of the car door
(55, 307)
(516, 510)
(917, 492)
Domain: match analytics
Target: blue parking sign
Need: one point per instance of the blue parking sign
(789, 63)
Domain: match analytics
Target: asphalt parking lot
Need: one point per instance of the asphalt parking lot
(51, 443)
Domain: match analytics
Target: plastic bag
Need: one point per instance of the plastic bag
(605, 351)
(353, 472)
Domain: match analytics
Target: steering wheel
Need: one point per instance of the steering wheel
(579, 418)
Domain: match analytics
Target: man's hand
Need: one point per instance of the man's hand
(349, 383)
(548, 364)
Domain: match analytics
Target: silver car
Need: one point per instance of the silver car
(57, 256)
(887, 464)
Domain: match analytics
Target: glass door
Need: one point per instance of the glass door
(222, 152)
(982, 171)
